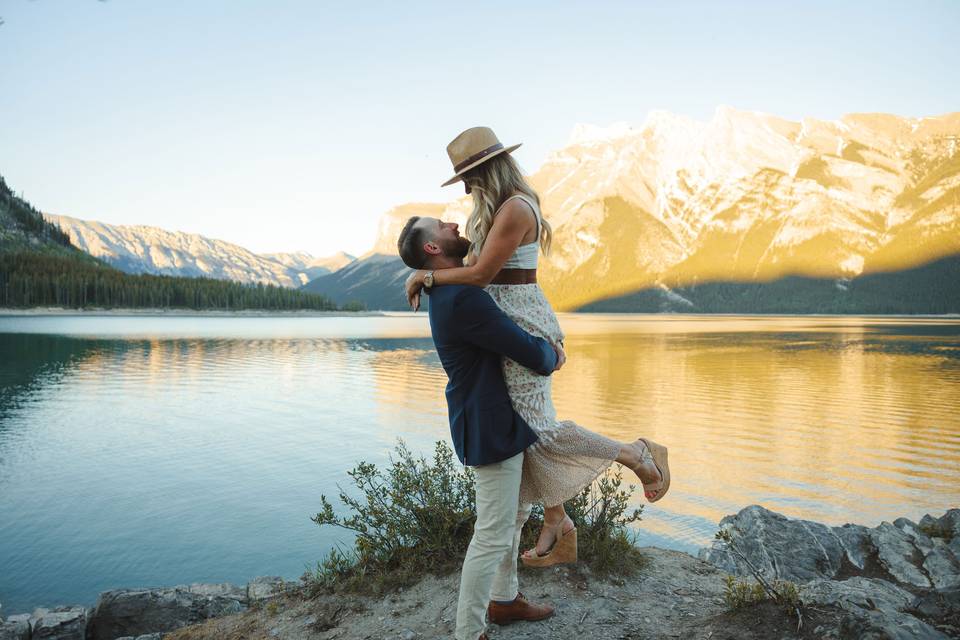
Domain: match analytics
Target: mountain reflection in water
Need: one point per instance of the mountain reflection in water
(161, 451)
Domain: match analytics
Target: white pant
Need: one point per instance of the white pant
(490, 566)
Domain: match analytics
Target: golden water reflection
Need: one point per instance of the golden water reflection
(836, 419)
(837, 424)
(832, 419)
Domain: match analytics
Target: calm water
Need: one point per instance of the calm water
(139, 451)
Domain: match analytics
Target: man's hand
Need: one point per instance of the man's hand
(413, 287)
(561, 356)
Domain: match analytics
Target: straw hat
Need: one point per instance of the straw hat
(472, 147)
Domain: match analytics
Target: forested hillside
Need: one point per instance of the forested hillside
(933, 288)
(39, 267)
(23, 228)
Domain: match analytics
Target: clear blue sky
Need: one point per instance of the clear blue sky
(283, 125)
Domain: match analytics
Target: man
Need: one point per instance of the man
(472, 334)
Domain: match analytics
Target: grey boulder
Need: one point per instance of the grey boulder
(221, 589)
(946, 526)
(18, 629)
(894, 581)
(923, 555)
(901, 554)
(796, 550)
(940, 605)
(135, 612)
(58, 623)
(855, 540)
(942, 565)
(268, 587)
(873, 609)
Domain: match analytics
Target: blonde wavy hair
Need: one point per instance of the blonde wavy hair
(491, 183)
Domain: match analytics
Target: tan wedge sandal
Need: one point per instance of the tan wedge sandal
(564, 549)
(657, 453)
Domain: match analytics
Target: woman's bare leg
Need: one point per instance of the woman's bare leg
(548, 534)
(630, 456)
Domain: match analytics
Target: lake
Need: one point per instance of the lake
(142, 451)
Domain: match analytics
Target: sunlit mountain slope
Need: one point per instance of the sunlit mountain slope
(145, 249)
(744, 197)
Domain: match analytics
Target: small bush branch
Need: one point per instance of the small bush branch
(739, 594)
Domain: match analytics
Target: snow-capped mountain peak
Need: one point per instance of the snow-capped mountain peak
(146, 249)
(744, 195)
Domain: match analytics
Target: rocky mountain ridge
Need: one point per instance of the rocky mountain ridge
(146, 249)
(748, 196)
(309, 266)
(743, 197)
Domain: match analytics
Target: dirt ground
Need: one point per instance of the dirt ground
(673, 596)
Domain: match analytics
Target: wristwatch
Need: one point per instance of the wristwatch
(428, 279)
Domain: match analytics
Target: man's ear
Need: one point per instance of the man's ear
(431, 248)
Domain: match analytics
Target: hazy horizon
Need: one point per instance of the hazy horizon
(293, 127)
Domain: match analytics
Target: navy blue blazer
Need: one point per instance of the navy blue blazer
(471, 334)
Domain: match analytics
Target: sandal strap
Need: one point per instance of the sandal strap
(647, 455)
(560, 532)
(561, 523)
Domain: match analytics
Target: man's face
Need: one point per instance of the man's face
(443, 238)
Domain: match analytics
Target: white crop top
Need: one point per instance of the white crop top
(525, 257)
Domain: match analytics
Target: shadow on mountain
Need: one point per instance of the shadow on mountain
(932, 288)
(376, 281)
(29, 362)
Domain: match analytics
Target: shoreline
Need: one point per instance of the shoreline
(191, 313)
(894, 580)
(310, 313)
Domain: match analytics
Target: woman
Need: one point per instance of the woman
(506, 231)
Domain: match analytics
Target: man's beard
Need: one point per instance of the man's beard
(459, 248)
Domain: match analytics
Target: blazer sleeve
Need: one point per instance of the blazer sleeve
(482, 323)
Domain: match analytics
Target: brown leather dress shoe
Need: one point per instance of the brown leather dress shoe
(519, 609)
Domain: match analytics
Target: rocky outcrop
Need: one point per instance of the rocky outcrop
(15, 628)
(795, 550)
(895, 580)
(921, 555)
(890, 582)
(59, 623)
(267, 588)
(876, 608)
(143, 614)
(133, 612)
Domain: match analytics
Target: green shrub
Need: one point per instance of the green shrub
(416, 516)
(738, 594)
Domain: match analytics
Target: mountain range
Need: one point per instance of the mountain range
(41, 267)
(737, 213)
(144, 249)
(745, 198)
